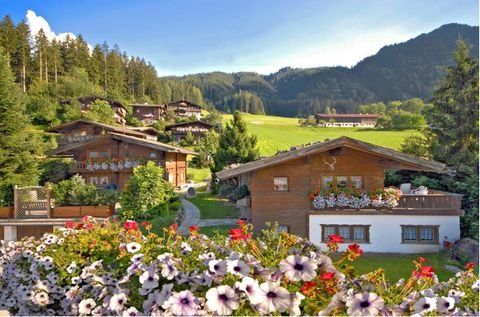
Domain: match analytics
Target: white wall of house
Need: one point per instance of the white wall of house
(386, 232)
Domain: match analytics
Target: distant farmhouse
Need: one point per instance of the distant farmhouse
(149, 114)
(120, 111)
(106, 155)
(281, 191)
(347, 120)
(196, 128)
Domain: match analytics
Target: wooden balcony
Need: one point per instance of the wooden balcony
(111, 165)
(434, 200)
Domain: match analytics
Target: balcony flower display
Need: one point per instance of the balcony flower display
(113, 269)
(354, 198)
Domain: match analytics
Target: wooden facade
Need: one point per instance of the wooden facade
(196, 128)
(352, 162)
(106, 158)
(149, 113)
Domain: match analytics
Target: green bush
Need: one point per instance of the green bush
(75, 192)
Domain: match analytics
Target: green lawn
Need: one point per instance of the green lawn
(279, 133)
(198, 174)
(162, 222)
(214, 207)
(399, 266)
(211, 230)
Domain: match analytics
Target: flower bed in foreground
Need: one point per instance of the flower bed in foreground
(111, 269)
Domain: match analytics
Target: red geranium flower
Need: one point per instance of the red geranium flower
(240, 222)
(327, 276)
(425, 271)
(88, 225)
(86, 218)
(146, 223)
(193, 229)
(336, 239)
(355, 248)
(237, 234)
(307, 287)
(173, 228)
(130, 225)
(470, 266)
(421, 260)
(70, 224)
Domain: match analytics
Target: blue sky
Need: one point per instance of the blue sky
(182, 37)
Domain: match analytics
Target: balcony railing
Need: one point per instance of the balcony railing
(111, 165)
(433, 200)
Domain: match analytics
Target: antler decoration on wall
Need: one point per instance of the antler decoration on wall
(331, 165)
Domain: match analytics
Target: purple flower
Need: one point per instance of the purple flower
(222, 300)
(366, 304)
(297, 268)
(182, 304)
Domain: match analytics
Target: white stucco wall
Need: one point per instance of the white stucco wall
(10, 233)
(385, 231)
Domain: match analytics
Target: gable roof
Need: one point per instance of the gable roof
(109, 128)
(168, 127)
(348, 115)
(147, 105)
(125, 138)
(408, 161)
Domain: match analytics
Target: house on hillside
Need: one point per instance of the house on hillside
(106, 155)
(150, 132)
(196, 128)
(149, 114)
(185, 108)
(120, 111)
(347, 120)
(280, 191)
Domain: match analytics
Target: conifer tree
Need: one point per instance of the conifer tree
(17, 162)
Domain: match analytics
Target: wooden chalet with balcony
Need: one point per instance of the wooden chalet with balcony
(280, 191)
(196, 128)
(106, 155)
(150, 113)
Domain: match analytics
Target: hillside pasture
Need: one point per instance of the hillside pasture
(280, 133)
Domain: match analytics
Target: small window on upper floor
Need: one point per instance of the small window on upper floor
(342, 182)
(280, 184)
(98, 154)
(152, 155)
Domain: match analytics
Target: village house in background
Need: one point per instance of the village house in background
(196, 128)
(280, 187)
(347, 120)
(149, 114)
(106, 155)
(120, 111)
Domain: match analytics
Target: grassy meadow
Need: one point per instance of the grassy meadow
(280, 133)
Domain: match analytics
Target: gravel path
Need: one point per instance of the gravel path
(191, 216)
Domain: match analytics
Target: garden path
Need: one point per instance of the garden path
(217, 222)
(191, 216)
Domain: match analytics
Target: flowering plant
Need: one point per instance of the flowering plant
(110, 268)
(354, 198)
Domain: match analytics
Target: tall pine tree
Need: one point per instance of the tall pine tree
(17, 162)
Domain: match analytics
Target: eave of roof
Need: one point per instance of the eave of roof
(410, 160)
(98, 124)
(187, 123)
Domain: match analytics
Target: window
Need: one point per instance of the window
(280, 184)
(282, 228)
(94, 180)
(342, 182)
(95, 154)
(349, 233)
(152, 155)
(104, 180)
(420, 234)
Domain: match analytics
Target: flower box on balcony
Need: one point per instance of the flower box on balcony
(354, 199)
(6, 212)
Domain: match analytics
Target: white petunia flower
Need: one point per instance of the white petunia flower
(169, 271)
(296, 268)
(238, 267)
(272, 298)
(52, 277)
(133, 247)
(132, 311)
(165, 257)
(294, 308)
(219, 267)
(72, 268)
(445, 304)
(425, 305)
(222, 300)
(41, 299)
(249, 286)
(137, 258)
(148, 280)
(365, 304)
(85, 307)
(476, 285)
(182, 304)
(456, 294)
(117, 302)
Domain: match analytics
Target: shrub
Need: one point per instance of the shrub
(146, 191)
(110, 268)
(76, 192)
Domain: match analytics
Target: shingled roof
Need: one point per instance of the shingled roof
(408, 161)
(106, 127)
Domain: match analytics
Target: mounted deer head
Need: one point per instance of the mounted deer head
(331, 165)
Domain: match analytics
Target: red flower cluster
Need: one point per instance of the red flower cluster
(70, 224)
(173, 229)
(130, 225)
(422, 271)
(353, 251)
(238, 234)
(470, 266)
(326, 281)
(333, 242)
(193, 229)
(327, 276)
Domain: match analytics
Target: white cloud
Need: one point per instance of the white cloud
(36, 23)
